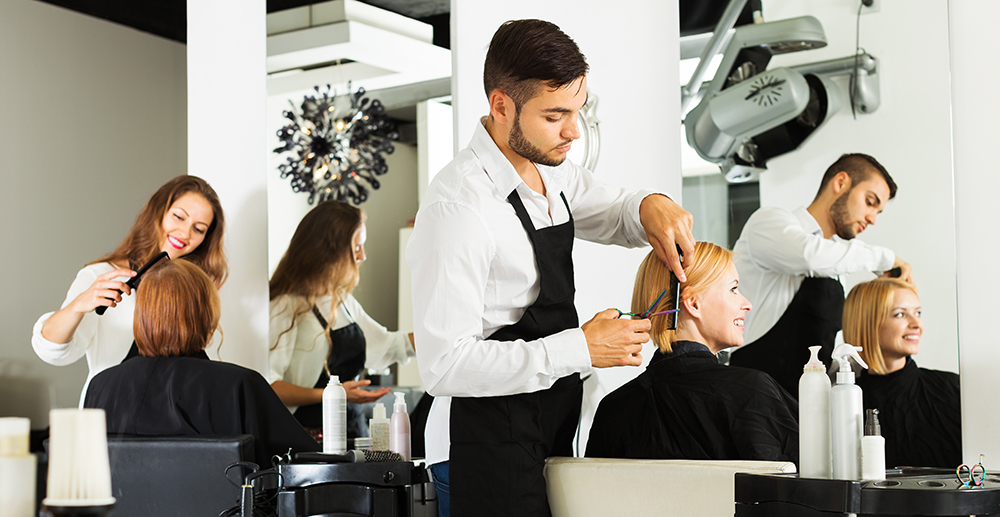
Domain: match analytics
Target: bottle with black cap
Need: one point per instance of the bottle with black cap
(872, 448)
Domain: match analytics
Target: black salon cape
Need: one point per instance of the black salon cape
(170, 396)
(688, 406)
(920, 414)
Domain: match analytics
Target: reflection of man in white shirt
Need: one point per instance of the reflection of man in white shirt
(778, 250)
(491, 251)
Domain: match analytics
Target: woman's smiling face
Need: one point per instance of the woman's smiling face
(899, 335)
(724, 309)
(185, 224)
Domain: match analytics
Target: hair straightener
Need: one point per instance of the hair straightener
(134, 281)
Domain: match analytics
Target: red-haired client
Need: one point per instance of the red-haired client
(174, 389)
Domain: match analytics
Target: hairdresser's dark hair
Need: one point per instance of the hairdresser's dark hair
(526, 54)
(859, 167)
(146, 236)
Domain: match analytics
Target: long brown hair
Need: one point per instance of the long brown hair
(146, 236)
(865, 310)
(319, 260)
(176, 311)
(709, 265)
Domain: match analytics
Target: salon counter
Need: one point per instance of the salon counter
(903, 492)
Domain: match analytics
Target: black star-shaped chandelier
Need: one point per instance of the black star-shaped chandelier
(333, 151)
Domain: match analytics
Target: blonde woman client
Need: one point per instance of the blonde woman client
(686, 405)
(317, 327)
(919, 409)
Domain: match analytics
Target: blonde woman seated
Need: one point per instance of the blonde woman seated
(686, 405)
(919, 409)
(173, 389)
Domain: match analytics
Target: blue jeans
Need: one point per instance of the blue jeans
(441, 483)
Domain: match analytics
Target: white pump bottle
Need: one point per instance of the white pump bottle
(814, 419)
(846, 416)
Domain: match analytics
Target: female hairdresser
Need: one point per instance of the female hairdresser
(183, 218)
(173, 389)
(919, 409)
(317, 328)
(686, 405)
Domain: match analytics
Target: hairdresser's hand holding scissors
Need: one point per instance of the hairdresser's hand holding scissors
(106, 291)
(613, 341)
(667, 226)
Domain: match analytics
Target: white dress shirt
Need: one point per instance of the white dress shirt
(474, 271)
(777, 249)
(297, 356)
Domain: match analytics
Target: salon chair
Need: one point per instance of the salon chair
(176, 475)
(583, 487)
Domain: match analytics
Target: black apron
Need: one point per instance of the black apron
(346, 361)
(499, 444)
(813, 318)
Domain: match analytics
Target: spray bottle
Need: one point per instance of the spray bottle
(846, 416)
(399, 427)
(334, 417)
(814, 419)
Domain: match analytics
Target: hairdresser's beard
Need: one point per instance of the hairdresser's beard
(520, 145)
(842, 219)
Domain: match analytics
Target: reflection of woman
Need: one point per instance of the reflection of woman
(173, 389)
(317, 328)
(919, 409)
(686, 405)
(183, 218)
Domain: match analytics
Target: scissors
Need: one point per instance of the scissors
(971, 477)
(649, 312)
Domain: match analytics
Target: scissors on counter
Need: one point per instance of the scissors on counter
(649, 312)
(971, 477)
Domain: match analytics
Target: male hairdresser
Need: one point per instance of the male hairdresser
(498, 339)
(790, 263)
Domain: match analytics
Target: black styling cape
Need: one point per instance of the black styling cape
(170, 396)
(920, 413)
(688, 406)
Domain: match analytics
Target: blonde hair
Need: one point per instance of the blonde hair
(865, 310)
(709, 265)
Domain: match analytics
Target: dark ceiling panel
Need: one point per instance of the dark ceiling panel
(166, 18)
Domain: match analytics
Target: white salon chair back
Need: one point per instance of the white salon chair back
(583, 487)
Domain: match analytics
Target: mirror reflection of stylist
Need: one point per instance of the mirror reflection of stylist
(791, 262)
(317, 327)
(183, 218)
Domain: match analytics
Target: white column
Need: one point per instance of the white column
(975, 107)
(227, 97)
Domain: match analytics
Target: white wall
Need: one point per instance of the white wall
(226, 43)
(910, 134)
(975, 108)
(92, 121)
(632, 48)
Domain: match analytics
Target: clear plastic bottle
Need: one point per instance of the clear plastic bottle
(334, 417)
(399, 428)
(872, 448)
(379, 424)
(846, 416)
(815, 460)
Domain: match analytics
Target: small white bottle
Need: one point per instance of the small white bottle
(379, 424)
(846, 417)
(399, 428)
(17, 469)
(815, 460)
(334, 417)
(872, 448)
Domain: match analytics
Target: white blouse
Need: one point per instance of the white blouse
(297, 356)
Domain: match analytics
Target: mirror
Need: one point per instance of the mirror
(916, 149)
